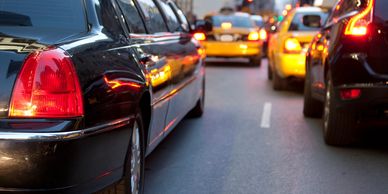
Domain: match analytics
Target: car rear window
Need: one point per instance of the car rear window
(381, 8)
(297, 21)
(236, 21)
(67, 14)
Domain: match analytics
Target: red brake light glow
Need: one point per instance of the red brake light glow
(200, 36)
(349, 94)
(292, 45)
(263, 35)
(47, 87)
(358, 24)
(254, 36)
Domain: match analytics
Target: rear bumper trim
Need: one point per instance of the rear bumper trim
(63, 136)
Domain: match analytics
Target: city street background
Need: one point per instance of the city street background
(230, 151)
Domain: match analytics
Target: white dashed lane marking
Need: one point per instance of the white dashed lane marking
(266, 116)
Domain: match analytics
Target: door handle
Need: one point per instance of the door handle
(144, 59)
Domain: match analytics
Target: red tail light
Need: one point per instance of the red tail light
(358, 24)
(47, 87)
(292, 45)
(200, 36)
(253, 36)
(349, 94)
(263, 35)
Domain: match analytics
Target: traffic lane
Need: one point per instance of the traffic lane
(227, 151)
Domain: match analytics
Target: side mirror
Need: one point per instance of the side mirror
(203, 26)
(312, 21)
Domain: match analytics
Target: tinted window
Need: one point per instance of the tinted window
(381, 8)
(236, 21)
(345, 7)
(172, 20)
(297, 22)
(67, 14)
(153, 19)
(132, 16)
(182, 18)
(110, 19)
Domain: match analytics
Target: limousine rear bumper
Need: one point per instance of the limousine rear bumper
(80, 161)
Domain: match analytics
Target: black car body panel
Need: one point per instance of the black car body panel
(87, 154)
(352, 62)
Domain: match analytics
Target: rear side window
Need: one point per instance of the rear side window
(132, 16)
(346, 6)
(153, 18)
(236, 21)
(182, 18)
(172, 20)
(381, 8)
(297, 22)
(67, 14)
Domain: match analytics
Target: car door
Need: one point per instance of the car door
(185, 67)
(157, 54)
(147, 31)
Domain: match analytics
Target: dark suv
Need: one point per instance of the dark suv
(347, 70)
(88, 88)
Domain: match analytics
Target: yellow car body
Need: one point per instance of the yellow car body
(227, 40)
(284, 64)
(219, 48)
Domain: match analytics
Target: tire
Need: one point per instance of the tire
(339, 126)
(312, 107)
(278, 82)
(269, 72)
(255, 61)
(126, 185)
(199, 107)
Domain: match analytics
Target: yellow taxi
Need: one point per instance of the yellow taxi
(287, 47)
(233, 35)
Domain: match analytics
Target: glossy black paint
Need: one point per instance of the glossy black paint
(352, 62)
(166, 66)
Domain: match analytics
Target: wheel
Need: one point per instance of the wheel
(255, 61)
(312, 107)
(269, 72)
(278, 82)
(199, 108)
(339, 125)
(133, 180)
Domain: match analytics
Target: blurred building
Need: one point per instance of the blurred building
(264, 7)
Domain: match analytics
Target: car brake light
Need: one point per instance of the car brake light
(47, 87)
(349, 94)
(358, 24)
(292, 45)
(263, 35)
(200, 36)
(253, 36)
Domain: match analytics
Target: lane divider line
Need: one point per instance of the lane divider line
(266, 116)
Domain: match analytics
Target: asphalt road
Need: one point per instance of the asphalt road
(252, 139)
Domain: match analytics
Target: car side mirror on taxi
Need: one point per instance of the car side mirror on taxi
(203, 26)
(313, 21)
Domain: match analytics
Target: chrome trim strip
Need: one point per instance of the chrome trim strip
(63, 136)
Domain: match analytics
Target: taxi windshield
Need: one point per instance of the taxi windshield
(236, 21)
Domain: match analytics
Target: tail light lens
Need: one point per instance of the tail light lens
(349, 94)
(200, 36)
(358, 24)
(47, 87)
(292, 45)
(254, 36)
(263, 35)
